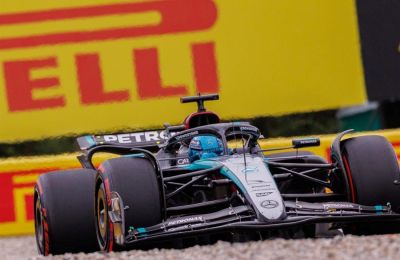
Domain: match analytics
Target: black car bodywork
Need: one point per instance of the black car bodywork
(243, 194)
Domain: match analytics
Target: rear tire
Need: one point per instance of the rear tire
(64, 205)
(372, 169)
(136, 182)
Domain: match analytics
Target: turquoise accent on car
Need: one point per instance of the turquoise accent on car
(136, 155)
(227, 173)
(141, 230)
(208, 164)
(201, 165)
(379, 208)
(90, 140)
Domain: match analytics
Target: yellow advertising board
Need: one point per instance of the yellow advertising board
(17, 180)
(83, 66)
(18, 177)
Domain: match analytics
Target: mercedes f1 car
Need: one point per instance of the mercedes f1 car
(205, 181)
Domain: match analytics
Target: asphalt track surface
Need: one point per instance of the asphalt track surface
(347, 247)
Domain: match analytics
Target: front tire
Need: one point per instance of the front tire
(135, 180)
(372, 171)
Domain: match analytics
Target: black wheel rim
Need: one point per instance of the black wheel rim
(101, 217)
(39, 231)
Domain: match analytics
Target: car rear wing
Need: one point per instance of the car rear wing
(150, 139)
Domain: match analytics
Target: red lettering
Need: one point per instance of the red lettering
(7, 213)
(29, 207)
(19, 85)
(7, 199)
(176, 16)
(148, 76)
(91, 84)
(205, 67)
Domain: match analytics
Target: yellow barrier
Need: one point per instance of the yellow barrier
(60, 60)
(18, 176)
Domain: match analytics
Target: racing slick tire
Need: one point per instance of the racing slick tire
(372, 171)
(63, 212)
(136, 183)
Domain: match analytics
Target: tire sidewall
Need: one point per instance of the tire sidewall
(102, 182)
(43, 243)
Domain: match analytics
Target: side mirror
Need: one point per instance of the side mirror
(306, 142)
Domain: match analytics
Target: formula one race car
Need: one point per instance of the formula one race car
(205, 181)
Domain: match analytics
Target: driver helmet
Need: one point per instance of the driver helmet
(203, 147)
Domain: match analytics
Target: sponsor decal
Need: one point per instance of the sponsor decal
(269, 204)
(263, 194)
(338, 206)
(182, 221)
(138, 137)
(248, 128)
(250, 169)
(183, 161)
(190, 226)
(308, 141)
(185, 136)
(256, 182)
(259, 185)
(298, 143)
